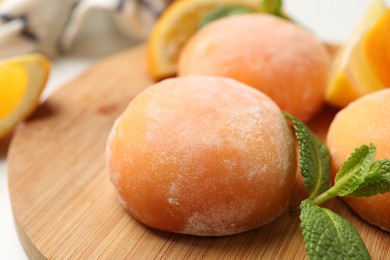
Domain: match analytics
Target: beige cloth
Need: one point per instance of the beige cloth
(54, 27)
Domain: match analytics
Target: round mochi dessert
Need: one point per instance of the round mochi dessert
(268, 53)
(202, 156)
(364, 121)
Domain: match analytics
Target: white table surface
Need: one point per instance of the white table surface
(331, 20)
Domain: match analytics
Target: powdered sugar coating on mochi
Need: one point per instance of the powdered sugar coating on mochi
(268, 53)
(189, 155)
(364, 121)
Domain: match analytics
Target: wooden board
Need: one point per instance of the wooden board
(65, 206)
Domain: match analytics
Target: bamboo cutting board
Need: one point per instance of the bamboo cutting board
(65, 206)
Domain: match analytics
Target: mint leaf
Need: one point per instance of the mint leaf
(377, 180)
(329, 236)
(354, 170)
(314, 160)
(223, 12)
(271, 7)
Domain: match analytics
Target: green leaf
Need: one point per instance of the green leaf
(224, 11)
(329, 236)
(376, 182)
(271, 7)
(314, 160)
(354, 170)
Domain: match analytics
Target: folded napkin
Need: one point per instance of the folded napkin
(54, 27)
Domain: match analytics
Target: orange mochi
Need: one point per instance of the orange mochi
(202, 156)
(364, 121)
(266, 52)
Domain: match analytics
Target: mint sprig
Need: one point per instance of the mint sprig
(359, 176)
(354, 170)
(326, 234)
(377, 180)
(329, 236)
(314, 159)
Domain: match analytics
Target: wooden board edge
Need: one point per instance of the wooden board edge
(30, 249)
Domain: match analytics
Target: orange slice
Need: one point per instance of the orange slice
(22, 80)
(351, 75)
(377, 48)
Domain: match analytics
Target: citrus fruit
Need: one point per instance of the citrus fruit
(351, 75)
(175, 26)
(202, 156)
(22, 80)
(377, 48)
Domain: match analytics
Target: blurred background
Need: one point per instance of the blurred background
(101, 34)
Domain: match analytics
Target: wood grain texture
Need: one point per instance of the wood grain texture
(66, 208)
